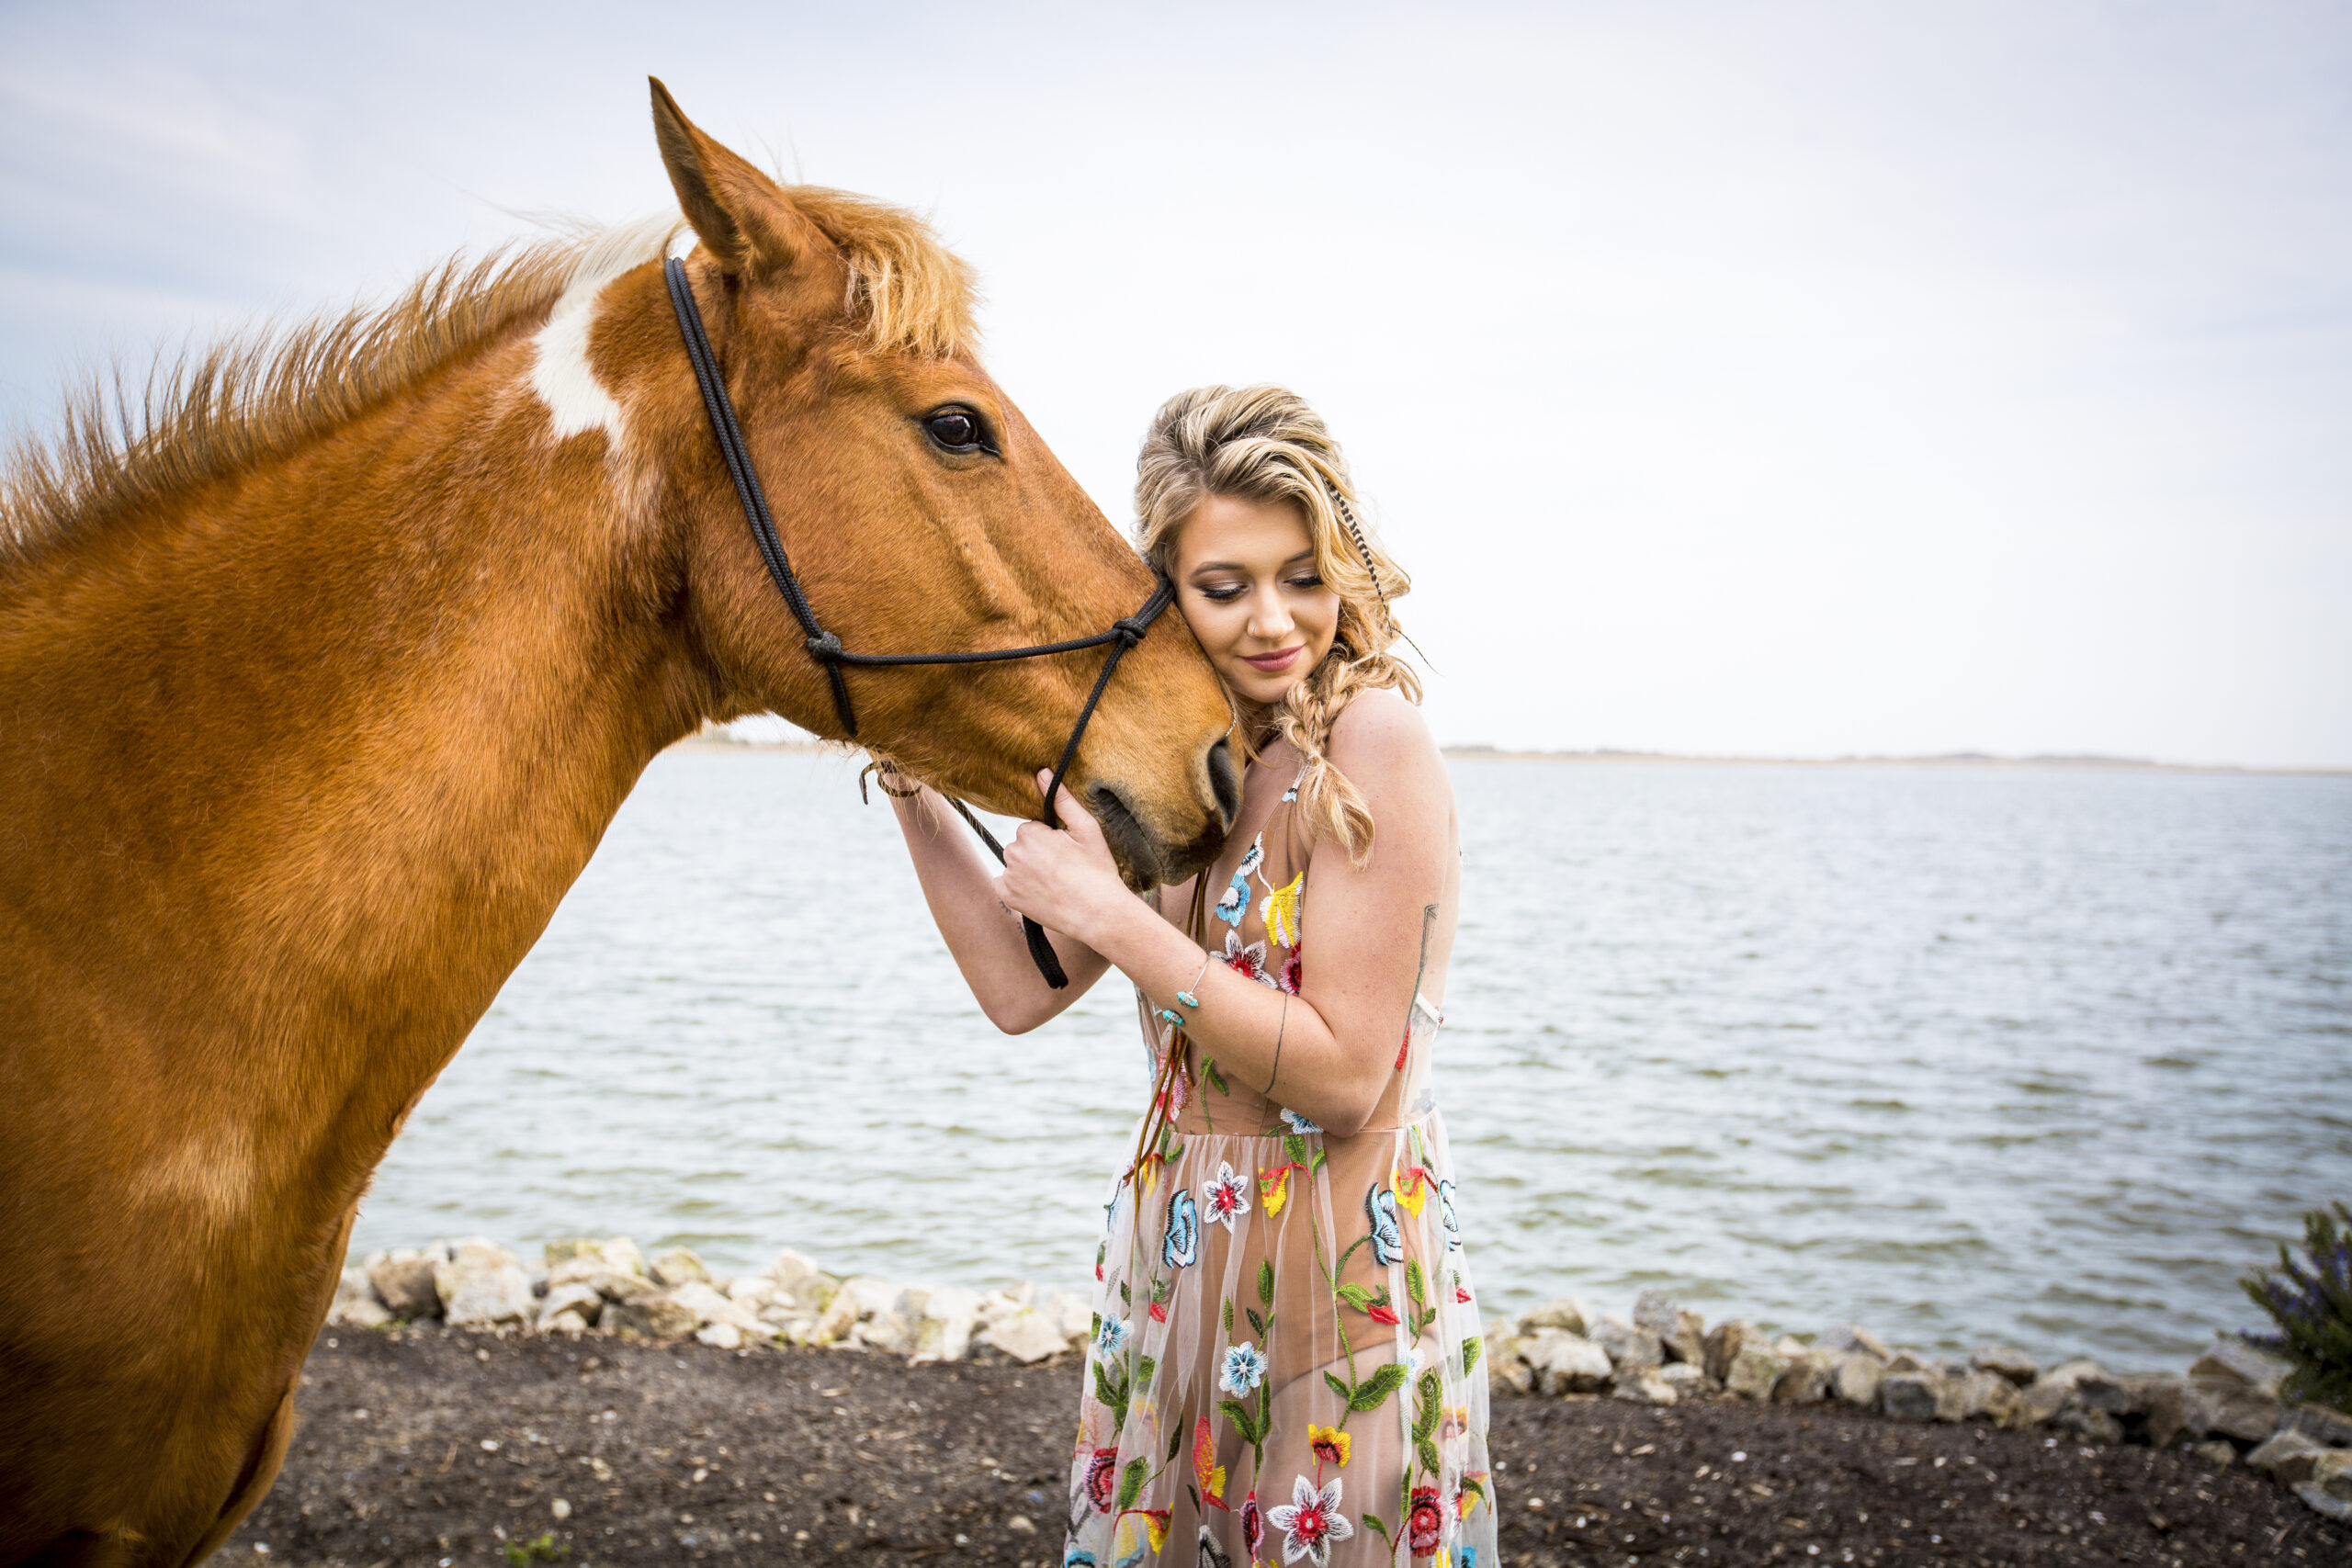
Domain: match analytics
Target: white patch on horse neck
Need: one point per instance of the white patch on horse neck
(561, 374)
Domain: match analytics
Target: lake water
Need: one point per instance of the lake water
(2042, 1057)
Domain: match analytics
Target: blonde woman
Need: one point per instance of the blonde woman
(1284, 1362)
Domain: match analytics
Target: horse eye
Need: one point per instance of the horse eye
(957, 429)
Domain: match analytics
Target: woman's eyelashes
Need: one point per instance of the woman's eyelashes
(1227, 593)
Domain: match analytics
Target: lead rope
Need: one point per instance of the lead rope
(826, 649)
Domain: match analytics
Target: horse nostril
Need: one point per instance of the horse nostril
(1225, 782)
(1126, 836)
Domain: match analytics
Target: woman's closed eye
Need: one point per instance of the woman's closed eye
(1226, 593)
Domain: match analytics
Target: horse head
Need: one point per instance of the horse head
(921, 513)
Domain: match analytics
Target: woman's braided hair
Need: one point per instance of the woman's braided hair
(1264, 444)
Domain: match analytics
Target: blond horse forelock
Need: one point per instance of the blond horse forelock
(124, 443)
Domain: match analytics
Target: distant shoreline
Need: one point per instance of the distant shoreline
(719, 741)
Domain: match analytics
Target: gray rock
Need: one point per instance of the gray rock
(2118, 1396)
(1856, 1376)
(570, 1308)
(1561, 1312)
(1069, 1311)
(2015, 1365)
(2091, 1426)
(2331, 1473)
(791, 1272)
(677, 1267)
(1683, 1335)
(944, 1333)
(1910, 1362)
(356, 1305)
(1565, 1363)
(1630, 1349)
(2320, 1503)
(2164, 1402)
(2228, 1408)
(1507, 1366)
(1025, 1336)
(1689, 1381)
(1840, 1337)
(2235, 1360)
(1753, 1372)
(724, 1335)
(2220, 1453)
(483, 1285)
(1985, 1395)
(2287, 1457)
(2046, 1398)
(1724, 1344)
(653, 1313)
(709, 1306)
(1923, 1396)
(2069, 1374)
(404, 1283)
(857, 1300)
(612, 1267)
(1643, 1385)
(1806, 1382)
(2322, 1425)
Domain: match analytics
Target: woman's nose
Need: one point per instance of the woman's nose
(1269, 619)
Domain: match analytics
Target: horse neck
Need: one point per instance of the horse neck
(320, 752)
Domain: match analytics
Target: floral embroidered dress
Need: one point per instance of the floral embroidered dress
(1285, 1356)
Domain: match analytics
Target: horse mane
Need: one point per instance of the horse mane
(121, 447)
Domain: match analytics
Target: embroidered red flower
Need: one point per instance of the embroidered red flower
(1160, 1311)
(1426, 1523)
(1253, 1525)
(1382, 1315)
(1102, 1478)
(1459, 1294)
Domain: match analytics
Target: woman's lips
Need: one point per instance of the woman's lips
(1276, 662)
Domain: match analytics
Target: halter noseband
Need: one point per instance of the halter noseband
(826, 648)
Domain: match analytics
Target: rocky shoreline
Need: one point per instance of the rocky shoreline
(2228, 1409)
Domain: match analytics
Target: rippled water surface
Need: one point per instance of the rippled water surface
(2043, 1057)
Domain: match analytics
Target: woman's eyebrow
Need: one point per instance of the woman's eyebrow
(1307, 554)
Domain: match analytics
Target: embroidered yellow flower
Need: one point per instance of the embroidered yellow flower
(1273, 1189)
(1412, 1187)
(1155, 1525)
(1280, 911)
(1330, 1444)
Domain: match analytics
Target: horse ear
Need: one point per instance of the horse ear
(743, 217)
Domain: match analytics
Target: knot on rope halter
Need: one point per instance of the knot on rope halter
(826, 649)
(1129, 629)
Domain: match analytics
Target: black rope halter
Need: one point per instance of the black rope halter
(826, 649)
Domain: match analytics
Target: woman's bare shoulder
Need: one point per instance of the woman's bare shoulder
(1381, 735)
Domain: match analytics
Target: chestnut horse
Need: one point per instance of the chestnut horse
(319, 688)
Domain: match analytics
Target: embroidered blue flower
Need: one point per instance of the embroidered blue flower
(1234, 903)
(1245, 1368)
(1074, 1557)
(1298, 1123)
(1180, 1249)
(1388, 1241)
(1112, 1339)
(1446, 1212)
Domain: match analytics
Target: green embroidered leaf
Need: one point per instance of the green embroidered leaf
(1147, 1366)
(1228, 1317)
(1470, 1349)
(1256, 1322)
(1244, 1420)
(1376, 1522)
(1318, 1162)
(1266, 1281)
(1126, 1296)
(1415, 1282)
(1293, 1148)
(1189, 1490)
(1106, 1389)
(1342, 1389)
(1131, 1483)
(1096, 1332)
(1428, 1452)
(1216, 1079)
(1175, 1445)
(1425, 1418)
(1374, 1390)
(1474, 1487)
(1355, 1296)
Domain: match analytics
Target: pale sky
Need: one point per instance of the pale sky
(1788, 379)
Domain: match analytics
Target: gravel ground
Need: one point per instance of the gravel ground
(421, 1447)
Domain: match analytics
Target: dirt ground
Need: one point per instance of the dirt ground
(430, 1448)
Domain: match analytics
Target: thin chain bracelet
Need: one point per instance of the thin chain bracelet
(1175, 1019)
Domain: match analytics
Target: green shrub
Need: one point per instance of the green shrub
(523, 1553)
(2310, 1298)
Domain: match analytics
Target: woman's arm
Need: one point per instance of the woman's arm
(1338, 1039)
(960, 884)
